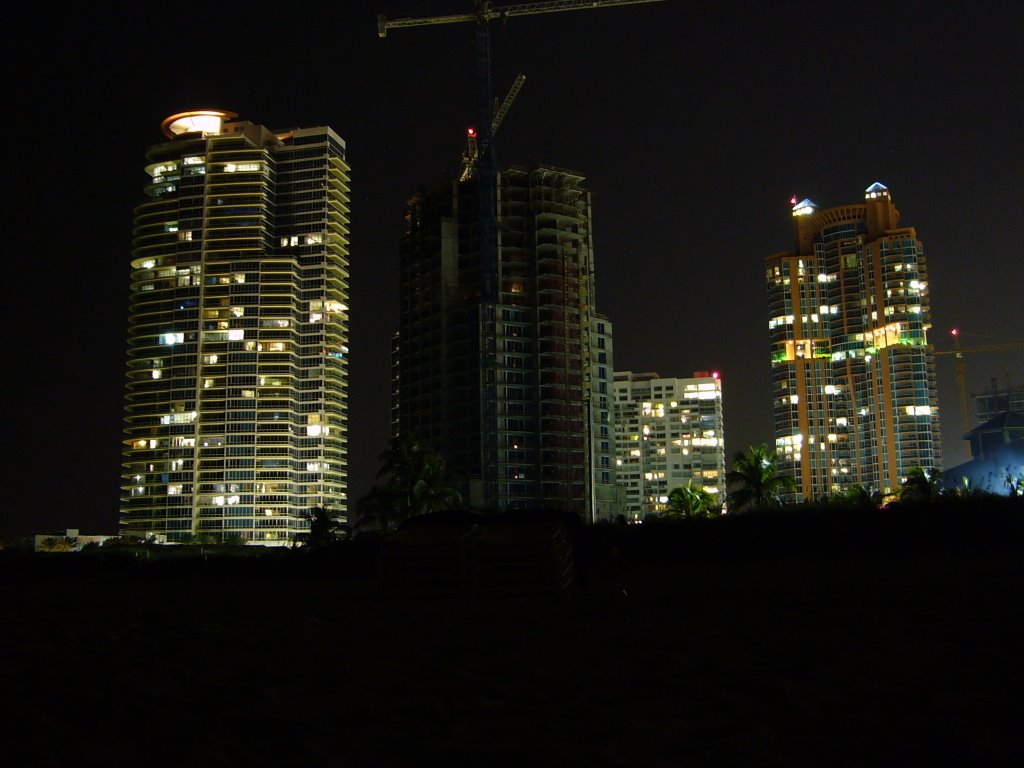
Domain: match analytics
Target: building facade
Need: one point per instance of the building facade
(236, 395)
(995, 401)
(68, 540)
(499, 362)
(608, 497)
(668, 433)
(997, 457)
(853, 372)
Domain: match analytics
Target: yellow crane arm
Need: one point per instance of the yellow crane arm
(961, 377)
(986, 348)
(384, 23)
(499, 113)
(469, 157)
(487, 13)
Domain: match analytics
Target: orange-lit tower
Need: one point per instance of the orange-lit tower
(853, 374)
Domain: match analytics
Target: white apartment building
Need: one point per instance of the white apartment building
(667, 433)
(236, 415)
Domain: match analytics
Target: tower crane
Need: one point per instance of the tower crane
(485, 13)
(486, 172)
(469, 157)
(961, 378)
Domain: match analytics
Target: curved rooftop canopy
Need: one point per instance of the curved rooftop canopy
(204, 121)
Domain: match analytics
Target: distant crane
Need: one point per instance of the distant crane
(961, 378)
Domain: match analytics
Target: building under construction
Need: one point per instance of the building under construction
(996, 401)
(505, 369)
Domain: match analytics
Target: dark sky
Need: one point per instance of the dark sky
(694, 124)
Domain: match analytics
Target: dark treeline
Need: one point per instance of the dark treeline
(827, 530)
(972, 527)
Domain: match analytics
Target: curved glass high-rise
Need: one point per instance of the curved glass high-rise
(853, 372)
(236, 393)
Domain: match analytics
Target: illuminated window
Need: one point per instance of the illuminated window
(240, 167)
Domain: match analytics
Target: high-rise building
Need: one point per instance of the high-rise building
(608, 497)
(853, 373)
(504, 368)
(236, 394)
(668, 433)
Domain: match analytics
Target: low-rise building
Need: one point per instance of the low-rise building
(668, 432)
(69, 540)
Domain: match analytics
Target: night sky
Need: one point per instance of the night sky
(694, 124)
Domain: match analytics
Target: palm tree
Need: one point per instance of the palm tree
(431, 490)
(399, 470)
(415, 481)
(757, 481)
(858, 495)
(966, 489)
(324, 526)
(377, 509)
(690, 501)
(1014, 484)
(921, 485)
(56, 544)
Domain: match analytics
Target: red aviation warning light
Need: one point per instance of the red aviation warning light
(471, 132)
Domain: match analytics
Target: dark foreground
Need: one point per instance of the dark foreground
(858, 658)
